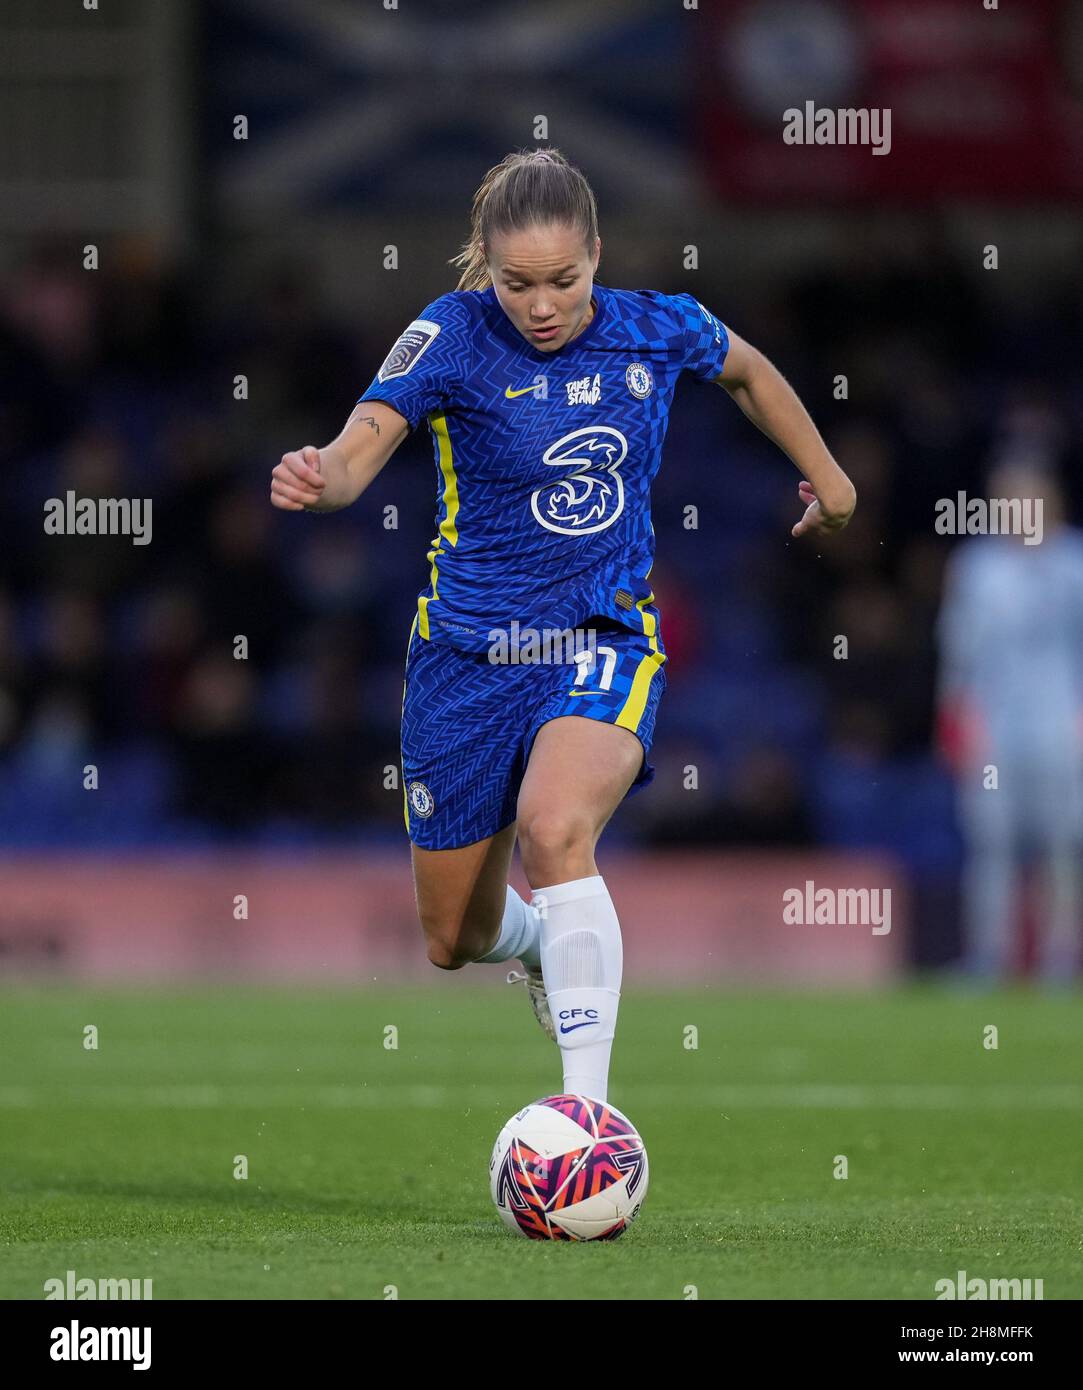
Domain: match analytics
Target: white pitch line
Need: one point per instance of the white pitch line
(686, 1096)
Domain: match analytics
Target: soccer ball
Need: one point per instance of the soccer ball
(568, 1168)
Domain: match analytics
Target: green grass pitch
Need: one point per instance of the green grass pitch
(368, 1166)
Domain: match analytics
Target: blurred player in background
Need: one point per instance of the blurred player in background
(1011, 698)
(547, 396)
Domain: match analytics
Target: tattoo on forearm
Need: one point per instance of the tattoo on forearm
(368, 420)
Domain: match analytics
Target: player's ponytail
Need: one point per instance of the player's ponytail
(527, 188)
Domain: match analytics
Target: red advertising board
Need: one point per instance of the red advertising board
(974, 102)
(687, 917)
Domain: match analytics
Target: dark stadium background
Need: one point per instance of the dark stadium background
(265, 257)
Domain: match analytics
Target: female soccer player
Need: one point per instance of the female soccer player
(547, 396)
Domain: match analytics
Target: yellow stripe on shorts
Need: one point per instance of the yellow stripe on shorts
(632, 709)
(402, 770)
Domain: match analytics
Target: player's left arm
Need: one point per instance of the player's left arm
(771, 403)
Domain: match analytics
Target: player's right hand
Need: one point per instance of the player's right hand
(296, 485)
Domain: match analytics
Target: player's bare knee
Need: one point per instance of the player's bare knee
(448, 955)
(551, 837)
(457, 941)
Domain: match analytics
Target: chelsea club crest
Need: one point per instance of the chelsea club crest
(639, 379)
(420, 799)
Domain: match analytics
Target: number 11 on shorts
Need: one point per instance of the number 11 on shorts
(586, 661)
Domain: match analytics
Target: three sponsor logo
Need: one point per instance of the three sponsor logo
(588, 494)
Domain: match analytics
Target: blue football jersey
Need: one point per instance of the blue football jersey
(544, 461)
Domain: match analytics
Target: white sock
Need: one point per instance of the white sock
(519, 932)
(582, 960)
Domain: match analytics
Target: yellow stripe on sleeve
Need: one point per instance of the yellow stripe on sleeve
(448, 529)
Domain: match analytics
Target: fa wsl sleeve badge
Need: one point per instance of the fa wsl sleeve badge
(411, 344)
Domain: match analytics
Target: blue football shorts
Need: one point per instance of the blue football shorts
(468, 725)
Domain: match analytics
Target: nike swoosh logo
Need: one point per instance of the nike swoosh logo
(510, 394)
(570, 1028)
(581, 692)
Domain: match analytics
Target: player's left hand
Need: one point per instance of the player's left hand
(815, 518)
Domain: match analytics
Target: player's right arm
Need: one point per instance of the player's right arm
(328, 479)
